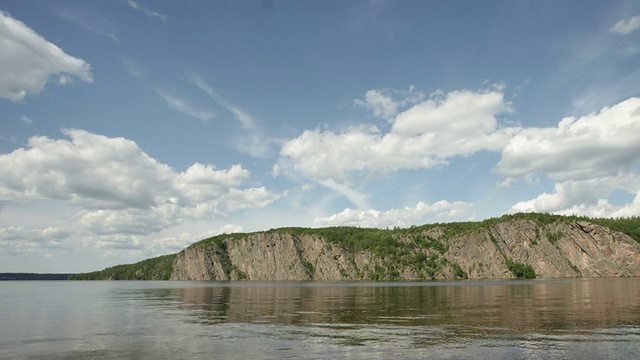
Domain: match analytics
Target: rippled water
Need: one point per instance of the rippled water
(586, 319)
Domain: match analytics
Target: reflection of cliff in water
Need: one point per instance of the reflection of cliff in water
(532, 305)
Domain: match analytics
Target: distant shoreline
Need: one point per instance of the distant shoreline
(33, 276)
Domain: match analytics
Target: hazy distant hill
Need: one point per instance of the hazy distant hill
(33, 276)
(512, 246)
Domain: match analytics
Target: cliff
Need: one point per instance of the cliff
(521, 245)
(504, 249)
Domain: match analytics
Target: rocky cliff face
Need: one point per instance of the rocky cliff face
(561, 250)
(558, 250)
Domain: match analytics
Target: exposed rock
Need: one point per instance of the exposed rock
(559, 250)
(199, 263)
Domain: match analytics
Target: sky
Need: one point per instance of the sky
(133, 128)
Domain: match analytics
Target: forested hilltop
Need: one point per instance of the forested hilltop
(523, 245)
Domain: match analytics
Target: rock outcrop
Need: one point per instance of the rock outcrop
(562, 249)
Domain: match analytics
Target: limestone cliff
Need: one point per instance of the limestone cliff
(491, 250)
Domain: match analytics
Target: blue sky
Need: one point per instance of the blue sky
(131, 129)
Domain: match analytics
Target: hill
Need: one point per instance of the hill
(33, 276)
(512, 246)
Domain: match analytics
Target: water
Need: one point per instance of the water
(586, 319)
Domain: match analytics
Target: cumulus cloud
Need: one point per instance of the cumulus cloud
(425, 135)
(589, 158)
(128, 221)
(90, 170)
(33, 61)
(381, 104)
(200, 183)
(419, 214)
(184, 107)
(172, 244)
(21, 240)
(586, 197)
(603, 143)
(117, 242)
(386, 103)
(626, 26)
(119, 188)
(237, 199)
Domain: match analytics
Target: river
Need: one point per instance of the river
(538, 319)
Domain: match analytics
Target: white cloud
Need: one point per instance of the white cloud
(380, 103)
(426, 135)
(33, 61)
(600, 144)
(386, 103)
(116, 242)
(119, 188)
(182, 106)
(626, 26)
(420, 214)
(590, 158)
(201, 183)
(127, 221)
(171, 244)
(135, 5)
(20, 240)
(586, 197)
(55, 233)
(90, 170)
(237, 199)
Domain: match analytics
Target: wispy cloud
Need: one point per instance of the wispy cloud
(247, 121)
(133, 68)
(352, 195)
(182, 106)
(27, 120)
(254, 142)
(91, 24)
(626, 26)
(135, 5)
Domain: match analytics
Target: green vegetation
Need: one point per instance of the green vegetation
(574, 267)
(218, 240)
(554, 237)
(309, 266)
(382, 241)
(223, 254)
(629, 226)
(158, 268)
(459, 272)
(520, 270)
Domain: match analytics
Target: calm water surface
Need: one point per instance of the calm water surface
(572, 319)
